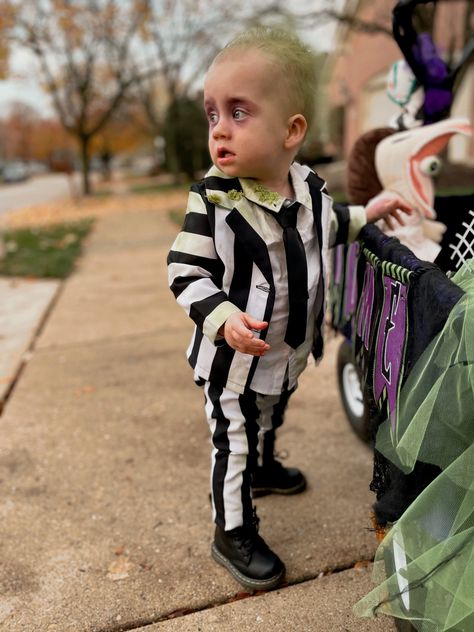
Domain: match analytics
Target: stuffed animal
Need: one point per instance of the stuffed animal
(406, 163)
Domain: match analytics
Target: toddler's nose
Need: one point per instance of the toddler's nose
(220, 130)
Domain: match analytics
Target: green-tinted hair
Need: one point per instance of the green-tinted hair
(294, 59)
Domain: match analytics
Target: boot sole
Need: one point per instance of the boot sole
(247, 582)
(258, 492)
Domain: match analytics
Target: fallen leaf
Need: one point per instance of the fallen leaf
(84, 390)
(119, 569)
(362, 564)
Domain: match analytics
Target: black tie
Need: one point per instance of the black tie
(297, 275)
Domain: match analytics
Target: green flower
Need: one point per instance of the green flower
(266, 196)
(214, 198)
(235, 195)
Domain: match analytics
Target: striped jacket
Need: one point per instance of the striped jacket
(222, 262)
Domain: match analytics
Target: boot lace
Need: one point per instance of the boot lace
(249, 534)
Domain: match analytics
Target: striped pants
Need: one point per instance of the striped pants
(243, 435)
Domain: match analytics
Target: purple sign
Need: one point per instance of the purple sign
(364, 319)
(350, 297)
(339, 258)
(390, 344)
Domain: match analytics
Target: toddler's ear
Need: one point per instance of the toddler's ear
(296, 130)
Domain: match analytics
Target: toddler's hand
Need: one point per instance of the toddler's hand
(237, 332)
(387, 206)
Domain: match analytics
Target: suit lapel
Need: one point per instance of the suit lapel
(253, 244)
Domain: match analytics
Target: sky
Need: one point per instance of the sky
(26, 88)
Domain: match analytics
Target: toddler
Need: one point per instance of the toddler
(249, 267)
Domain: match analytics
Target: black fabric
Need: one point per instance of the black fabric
(200, 310)
(343, 219)
(198, 336)
(220, 441)
(197, 224)
(238, 295)
(214, 183)
(253, 245)
(457, 245)
(249, 408)
(430, 296)
(278, 417)
(344, 288)
(316, 185)
(213, 266)
(181, 283)
(297, 275)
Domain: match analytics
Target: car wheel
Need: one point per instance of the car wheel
(349, 380)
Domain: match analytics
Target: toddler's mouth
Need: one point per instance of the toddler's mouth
(222, 152)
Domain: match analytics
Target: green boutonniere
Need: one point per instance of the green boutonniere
(235, 195)
(266, 196)
(214, 198)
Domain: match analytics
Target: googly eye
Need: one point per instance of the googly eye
(430, 165)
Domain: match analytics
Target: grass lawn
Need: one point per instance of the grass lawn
(176, 215)
(144, 188)
(43, 252)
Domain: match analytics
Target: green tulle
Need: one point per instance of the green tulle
(432, 583)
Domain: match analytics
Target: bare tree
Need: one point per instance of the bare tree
(85, 51)
(6, 21)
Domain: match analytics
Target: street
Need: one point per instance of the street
(39, 189)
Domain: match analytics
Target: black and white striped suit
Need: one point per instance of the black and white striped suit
(230, 257)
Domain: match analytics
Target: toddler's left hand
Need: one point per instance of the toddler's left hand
(387, 206)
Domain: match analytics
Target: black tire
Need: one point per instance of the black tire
(348, 376)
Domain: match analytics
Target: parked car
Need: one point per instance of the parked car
(15, 172)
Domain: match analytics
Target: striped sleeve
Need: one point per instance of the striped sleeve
(346, 223)
(195, 271)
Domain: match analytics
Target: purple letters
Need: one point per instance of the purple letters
(390, 344)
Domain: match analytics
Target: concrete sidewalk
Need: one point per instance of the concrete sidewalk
(104, 454)
(24, 305)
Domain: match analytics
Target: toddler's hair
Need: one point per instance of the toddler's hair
(294, 59)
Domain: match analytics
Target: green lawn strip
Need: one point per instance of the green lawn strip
(176, 215)
(143, 189)
(44, 252)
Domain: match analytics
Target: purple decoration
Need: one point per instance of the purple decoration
(364, 319)
(435, 79)
(437, 100)
(426, 54)
(350, 298)
(390, 344)
(338, 264)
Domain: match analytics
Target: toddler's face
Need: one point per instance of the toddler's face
(244, 104)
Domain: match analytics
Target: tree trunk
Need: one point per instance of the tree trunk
(85, 158)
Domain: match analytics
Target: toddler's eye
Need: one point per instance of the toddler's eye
(239, 115)
(212, 118)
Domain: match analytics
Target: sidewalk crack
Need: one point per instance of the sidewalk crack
(239, 596)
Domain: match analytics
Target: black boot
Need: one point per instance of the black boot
(274, 478)
(247, 558)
